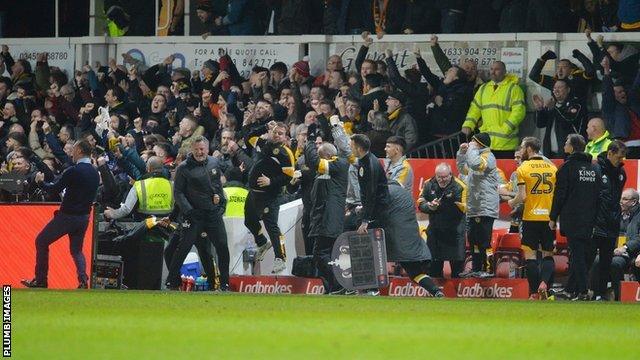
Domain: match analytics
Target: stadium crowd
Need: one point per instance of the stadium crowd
(284, 134)
(347, 17)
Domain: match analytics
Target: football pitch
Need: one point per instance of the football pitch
(172, 325)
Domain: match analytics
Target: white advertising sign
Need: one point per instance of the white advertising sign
(62, 56)
(192, 56)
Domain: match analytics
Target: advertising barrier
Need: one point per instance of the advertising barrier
(398, 287)
(20, 224)
(630, 291)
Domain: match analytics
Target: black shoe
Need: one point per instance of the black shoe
(438, 294)
(581, 297)
(225, 288)
(33, 283)
(83, 285)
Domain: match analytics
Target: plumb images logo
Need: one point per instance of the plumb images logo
(6, 320)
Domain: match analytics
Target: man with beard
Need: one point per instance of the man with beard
(272, 169)
(575, 202)
(199, 195)
(536, 184)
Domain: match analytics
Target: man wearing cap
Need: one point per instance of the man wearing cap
(401, 123)
(476, 163)
(398, 167)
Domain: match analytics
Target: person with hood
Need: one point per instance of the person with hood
(402, 237)
(199, 195)
(627, 255)
(500, 103)
(476, 163)
(607, 221)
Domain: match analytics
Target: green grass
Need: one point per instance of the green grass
(155, 325)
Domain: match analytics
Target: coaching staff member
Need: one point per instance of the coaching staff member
(373, 184)
(575, 202)
(199, 195)
(80, 183)
(444, 198)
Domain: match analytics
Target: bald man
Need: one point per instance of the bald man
(598, 137)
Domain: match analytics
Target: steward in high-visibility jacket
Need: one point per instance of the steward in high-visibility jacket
(236, 194)
(501, 106)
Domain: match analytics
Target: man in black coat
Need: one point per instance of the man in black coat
(444, 198)
(566, 115)
(575, 202)
(372, 179)
(199, 195)
(607, 222)
(328, 196)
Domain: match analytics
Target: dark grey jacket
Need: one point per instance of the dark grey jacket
(195, 185)
(402, 234)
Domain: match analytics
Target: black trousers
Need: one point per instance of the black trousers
(261, 207)
(62, 224)
(578, 252)
(479, 230)
(619, 266)
(202, 230)
(602, 267)
(321, 257)
(306, 226)
(436, 268)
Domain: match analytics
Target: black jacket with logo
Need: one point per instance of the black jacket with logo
(569, 117)
(374, 192)
(609, 213)
(575, 199)
(274, 161)
(196, 183)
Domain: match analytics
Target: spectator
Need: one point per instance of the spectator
(401, 123)
(469, 66)
(598, 137)
(621, 110)
(373, 94)
(240, 18)
(452, 14)
(334, 63)
(211, 22)
(417, 92)
(623, 59)
(561, 117)
(578, 79)
(378, 135)
(629, 15)
(450, 104)
(549, 16)
(628, 255)
(513, 15)
(499, 118)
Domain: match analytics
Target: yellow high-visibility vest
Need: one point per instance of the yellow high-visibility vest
(236, 197)
(155, 196)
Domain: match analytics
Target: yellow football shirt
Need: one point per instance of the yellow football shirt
(539, 178)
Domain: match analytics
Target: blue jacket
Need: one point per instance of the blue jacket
(616, 114)
(240, 18)
(629, 11)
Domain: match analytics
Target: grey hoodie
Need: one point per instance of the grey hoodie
(478, 170)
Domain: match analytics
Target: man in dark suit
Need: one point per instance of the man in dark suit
(80, 184)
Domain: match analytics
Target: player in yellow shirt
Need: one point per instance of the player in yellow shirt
(536, 183)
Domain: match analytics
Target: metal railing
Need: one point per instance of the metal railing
(442, 148)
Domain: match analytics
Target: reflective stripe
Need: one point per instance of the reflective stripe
(507, 102)
(475, 121)
(503, 136)
(143, 197)
(476, 103)
(519, 102)
(513, 127)
(496, 106)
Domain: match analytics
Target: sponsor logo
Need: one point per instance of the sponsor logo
(314, 289)
(478, 291)
(260, 288)
(409, 289)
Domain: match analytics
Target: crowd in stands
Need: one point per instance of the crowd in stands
(348, 17)
(130, 112)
